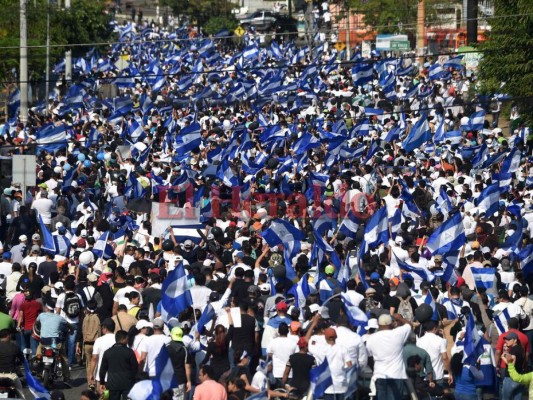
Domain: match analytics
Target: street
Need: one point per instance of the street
(78, 382)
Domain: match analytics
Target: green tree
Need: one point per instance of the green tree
(216, 24)
(508, 54)
(200, 11)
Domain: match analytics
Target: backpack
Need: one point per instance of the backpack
(72, 305)
(405, 309)
(371, 304)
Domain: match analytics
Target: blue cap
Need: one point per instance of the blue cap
(374, 276)
(239, 254)
(6, 255)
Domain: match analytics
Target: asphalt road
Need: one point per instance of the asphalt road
(78, 382)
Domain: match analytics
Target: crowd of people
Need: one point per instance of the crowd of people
(365, 231)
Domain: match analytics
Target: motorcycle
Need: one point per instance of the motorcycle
(8, 390)
(49, 364)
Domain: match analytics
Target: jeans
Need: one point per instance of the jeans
(28, 342)
(459, 396)
(333, 396)
(390, 389)
(71, 345)
(511, 390)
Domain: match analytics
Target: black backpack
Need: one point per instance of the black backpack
(72, 307)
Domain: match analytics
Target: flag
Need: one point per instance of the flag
(345, 273)
(477, 121)
(207, 315)
(420, 133)
(100, 245)
(280, 232)
(431, 302)
(501, 321)
(51, 138)
(454, 62)
(423, 273)
(511, 162)
(447, 237)
(362, 73)
(489, 199)
(376, 230)
(435, 71)
(355, 315)
(473, 346)
(320, 377)
(135, 131)
(444, 205)
(484, 277)
(176, 294)
(526, 260)
(48, 239)
(188, 139)
(36, 388)
(301, 291)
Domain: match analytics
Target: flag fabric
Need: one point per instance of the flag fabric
(477, 120)
(176, 294)
(100, 245)
(420, 133)
(301, 291)
(48, 240)
(349, 225)
(489, 199)
(280, 232)
(526, 260)
(473, 346)
(454, 62)
(435, 71)
(376, 230)
(484, 277)
(423, 273)
(207, 315)
(320, 377)
(188, 139)
(431, 302)
(447, 237)
(362, 73)
(501, 321)
(444, 205)
(36, 388)
(355, 315)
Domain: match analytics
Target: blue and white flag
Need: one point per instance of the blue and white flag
(502, 321)
(454, 62)
(176, 294)
(320, 377)
(52, 138)
(420, 133)
(447, 237)
(135, 131)
(207, 315)
(376, 230)
(349, 225)
(362, 73)
(188, 139)
(280, 232)
(477, 121)
(484, 277)
(423, 273)
(345, 273)
(48, 240)
(355, 315)
(435, 71)
(444, 204)
(100, 245)
(473, 346)
(36, 388)
(512, 162)
(489, 199)
(301, 291)
(526, 260)
(431, 302)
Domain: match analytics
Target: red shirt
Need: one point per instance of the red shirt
(521, 338)
(31, 309)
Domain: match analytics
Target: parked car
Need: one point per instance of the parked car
(261, 20)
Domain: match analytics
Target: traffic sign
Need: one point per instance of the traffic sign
(340, 46)
(239, 31)
(399, 45)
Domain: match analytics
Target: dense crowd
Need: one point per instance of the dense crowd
(365, 226)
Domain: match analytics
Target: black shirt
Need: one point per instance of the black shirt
(243, 338)
(179, 356)
(301, 364)
(240, 290)
(45, 269)
(120, 365)
(9, 353)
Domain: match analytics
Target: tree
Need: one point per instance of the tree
(200, 10)
(508, 54)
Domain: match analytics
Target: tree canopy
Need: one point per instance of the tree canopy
(201, 11)
(507, 63)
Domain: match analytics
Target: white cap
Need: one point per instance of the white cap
(314, 308)
(22, 238)
(83, 233)
(142, 323)
(59, 225)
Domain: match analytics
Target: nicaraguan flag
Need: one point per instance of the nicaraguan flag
(362, 73)
(454, 62)
(188, 139)
(100, 245)
(473, 346)
(484, 277)
(526, 260)
(447, 237)
(320, 377)
(176, 294)
(477, 121)
(376, 230)
(281, 232)
(501, 321)
(423, 273)
(349, 225)
(301, 291)
(207, 315)
(431, 302)
(48, 240)
(444, 204)
(36, 388)
(435, 71)
(420, 133)
(355, 315)
(489, 199)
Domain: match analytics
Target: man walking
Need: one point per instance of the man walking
(120, 365)
(181, 362)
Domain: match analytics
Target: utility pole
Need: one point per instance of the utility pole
(68, 54)
(47, 78)
(420, 31)
(471, 21)
(23, 75)
(348, 32)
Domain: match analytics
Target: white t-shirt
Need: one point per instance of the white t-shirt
(200, 296)
(281, 349)
(60, 303)
(100, 346)
(337, 357)
(354, 346)
(387, 349)
(318, 348)
(44, 209)
(121, 295)
(152, 346)
(435, 346)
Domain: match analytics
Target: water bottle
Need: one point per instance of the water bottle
(54, 344)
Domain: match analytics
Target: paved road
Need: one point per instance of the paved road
(78, 381)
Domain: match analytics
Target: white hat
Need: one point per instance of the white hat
(22, 238)
(314, 308)
(372, 324)
(264, 287)
(83, 233)
(142, 323)
(36, 236)
(59, 225)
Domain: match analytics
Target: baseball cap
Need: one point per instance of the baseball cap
(372, 324)
(22, 238)
(281, 306)
(176, 334)
(35, 249)
(159, 323)
(370, 291)
(385, 320)
(329, 270)
(330, 333)
(302, 342)
(510, 335)
(394, 281)
(314, 308)
(141, 324)
(374, 276)
(188, 243)
(295, 325)
(36, 236)
(6, 255)
(92, 278)
(264, 288)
